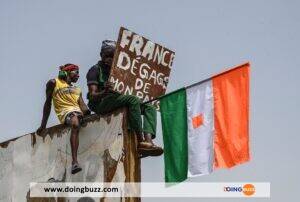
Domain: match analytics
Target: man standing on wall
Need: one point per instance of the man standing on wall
(68, 105)
(103, 99)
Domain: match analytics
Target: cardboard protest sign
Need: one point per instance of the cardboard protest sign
(140, 66)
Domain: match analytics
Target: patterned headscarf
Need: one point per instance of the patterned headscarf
(108, 45)
(69, 67)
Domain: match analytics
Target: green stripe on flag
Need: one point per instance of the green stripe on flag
(174, 125)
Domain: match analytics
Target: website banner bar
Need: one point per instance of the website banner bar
(152, 189)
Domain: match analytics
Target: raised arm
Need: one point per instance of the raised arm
(47, 105)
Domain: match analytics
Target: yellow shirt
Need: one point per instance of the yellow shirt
(65, 99)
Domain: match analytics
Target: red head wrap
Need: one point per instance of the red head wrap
(69, 67)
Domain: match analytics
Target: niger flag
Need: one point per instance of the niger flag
(206, 126)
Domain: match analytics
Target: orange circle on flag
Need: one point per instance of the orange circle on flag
(248, 189)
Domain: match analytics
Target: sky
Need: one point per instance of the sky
(207, 36)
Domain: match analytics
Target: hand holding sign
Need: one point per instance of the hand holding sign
(108, 86)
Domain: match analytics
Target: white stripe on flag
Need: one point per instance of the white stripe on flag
(200, 129)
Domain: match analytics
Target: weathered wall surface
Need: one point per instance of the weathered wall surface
(106, 153)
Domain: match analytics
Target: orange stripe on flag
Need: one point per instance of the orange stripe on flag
(231, 116)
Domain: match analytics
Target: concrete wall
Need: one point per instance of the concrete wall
(106, 153)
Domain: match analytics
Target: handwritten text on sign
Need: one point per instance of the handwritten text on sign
(140, 67)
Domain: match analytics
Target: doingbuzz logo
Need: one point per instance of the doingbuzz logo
(247, 189)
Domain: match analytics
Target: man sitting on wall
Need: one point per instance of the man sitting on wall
(103, 99)
(68, 104)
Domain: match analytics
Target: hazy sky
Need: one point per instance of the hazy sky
(207, 36)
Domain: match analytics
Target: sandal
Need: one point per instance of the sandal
(75, 168)
(148, 149)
